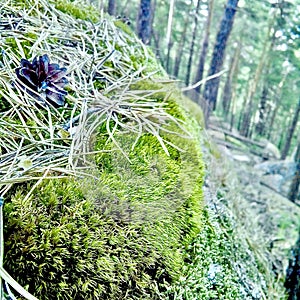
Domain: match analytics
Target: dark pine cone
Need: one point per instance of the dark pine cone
(43, 81)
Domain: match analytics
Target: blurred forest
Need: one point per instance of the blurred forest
(257, 90)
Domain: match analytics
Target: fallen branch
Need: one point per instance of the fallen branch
(191, 87)
(238, 137)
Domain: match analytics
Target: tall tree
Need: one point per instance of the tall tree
(111, 8)
(294, 188)
(227, 92)
(212, 86)
(169, 30)
(200, 69)
(144, 21)
(292, 282)
(181, 44)
(266, 49)
(189, 65)
(260, 126)
(291, 132)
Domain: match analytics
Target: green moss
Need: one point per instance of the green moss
(77, 10)
(163, 192)
(211, 271)
(59, 246)
(124, 234)
(125, 28)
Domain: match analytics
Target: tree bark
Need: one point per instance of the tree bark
(273, 117)
(144, 21)
(292, 282)
(111, 9)
(254, 83)
(168, 36)
(157, 40)
(260, 126)
(294, 188)
(190, 61)
(227, 93)
(212, 86)
(181, 47)
(200, 69)
(291, 132)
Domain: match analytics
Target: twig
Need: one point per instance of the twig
(191, 87)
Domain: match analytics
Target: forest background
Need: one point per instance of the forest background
(258, 78)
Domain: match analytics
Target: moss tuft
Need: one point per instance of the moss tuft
(77, 10)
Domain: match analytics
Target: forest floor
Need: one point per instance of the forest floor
(272, 220)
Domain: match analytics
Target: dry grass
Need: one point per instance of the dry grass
(36, 141)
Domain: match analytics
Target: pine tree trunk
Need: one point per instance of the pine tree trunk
(200, 69)
(294, 188)
(292, 282)
(157, 40)
(254, 83)
(144, 21)
(180, 52)
(190, 61)
(181, 47)
(273, 117)
(227, 93)
(272, 114)
(169, 37)
(291, 132)
(260, 127)
(246, 122)
(111, 7)
(212, 86)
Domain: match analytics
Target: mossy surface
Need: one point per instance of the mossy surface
(136, 228)
(122, 235)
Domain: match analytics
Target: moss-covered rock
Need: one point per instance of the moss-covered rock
(110, 202)
(119, 228)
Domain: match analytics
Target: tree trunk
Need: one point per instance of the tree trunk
(273, 117)
(292, 282)
(157, 40)
(260, 126)
(253, 84)
(212, 86)
(181, 47)
(276, 104)
(227, 93)
(168, 36)
(246, 122)
(144, 21)
(180, 52)
(239, 125)
(111, 9)
(291, 132)
(200, 69)
(294, 188)
(190, 61)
